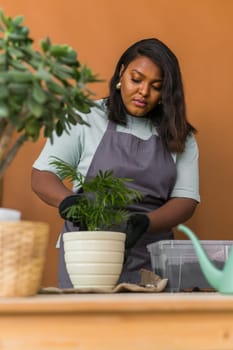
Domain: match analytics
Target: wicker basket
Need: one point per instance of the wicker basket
(23, 246)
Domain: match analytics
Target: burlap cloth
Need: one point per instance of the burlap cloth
(150, 283)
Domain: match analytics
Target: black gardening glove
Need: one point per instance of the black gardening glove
(136, 225)
(66, 204)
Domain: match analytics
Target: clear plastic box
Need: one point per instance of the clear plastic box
(177, 261)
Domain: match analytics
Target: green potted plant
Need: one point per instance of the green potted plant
(94, 255)
(40, 90)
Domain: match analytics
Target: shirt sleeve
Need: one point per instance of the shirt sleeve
(66, 147)
(187, 181)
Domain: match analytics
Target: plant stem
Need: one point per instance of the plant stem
(8, 158)
(1, 191)
(5, 140)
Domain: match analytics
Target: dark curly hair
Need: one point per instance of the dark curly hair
(170, 116)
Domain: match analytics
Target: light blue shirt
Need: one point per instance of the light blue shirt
(79, 146)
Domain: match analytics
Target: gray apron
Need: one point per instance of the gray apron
(153, 170)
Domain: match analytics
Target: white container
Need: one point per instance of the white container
(177, 261)
(7, 214)
(94, 259)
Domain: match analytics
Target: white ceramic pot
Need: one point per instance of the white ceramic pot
(94, 259)
(7, 214)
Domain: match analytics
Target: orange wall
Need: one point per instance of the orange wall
(200, 33)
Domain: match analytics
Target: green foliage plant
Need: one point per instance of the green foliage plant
(39, 89)
(104, 201)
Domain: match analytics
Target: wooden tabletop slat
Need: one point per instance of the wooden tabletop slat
(122, 302)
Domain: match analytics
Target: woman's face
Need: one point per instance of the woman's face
(141, 84)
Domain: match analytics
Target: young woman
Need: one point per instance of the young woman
(140, 132)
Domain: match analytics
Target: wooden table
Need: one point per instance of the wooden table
(187, 321)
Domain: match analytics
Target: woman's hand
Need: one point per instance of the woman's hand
(172, 213)
(136, 225)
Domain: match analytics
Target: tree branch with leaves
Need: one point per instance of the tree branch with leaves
(39, 89)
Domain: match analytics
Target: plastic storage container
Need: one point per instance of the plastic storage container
(177, 261)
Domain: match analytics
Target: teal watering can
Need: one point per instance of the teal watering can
(221, 280)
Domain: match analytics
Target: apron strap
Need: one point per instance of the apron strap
(111, 125)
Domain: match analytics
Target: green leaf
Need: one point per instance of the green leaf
(48, 130)
(59, 50)
(4, 19)
(18, 20)
(17, 65)
(71, 53)
(32, 128)
(4, 110)
(43, 74)
(69, 61)
(35, 108)
(65, 170)
(19, 89)
(63, 69)
(87, 76)
(2, 44)
(81, 106)
(16, 37)
(75, 115)
(71, 119)
(59, 128)
(20, 77)
(55, 88)
(38, 94)
(24, 31)
(54, 104)
(15, 53)
(61, 75)
(4, 92)
(45, 44)
(3, 77)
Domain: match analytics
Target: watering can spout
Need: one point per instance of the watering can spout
(212, 274)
